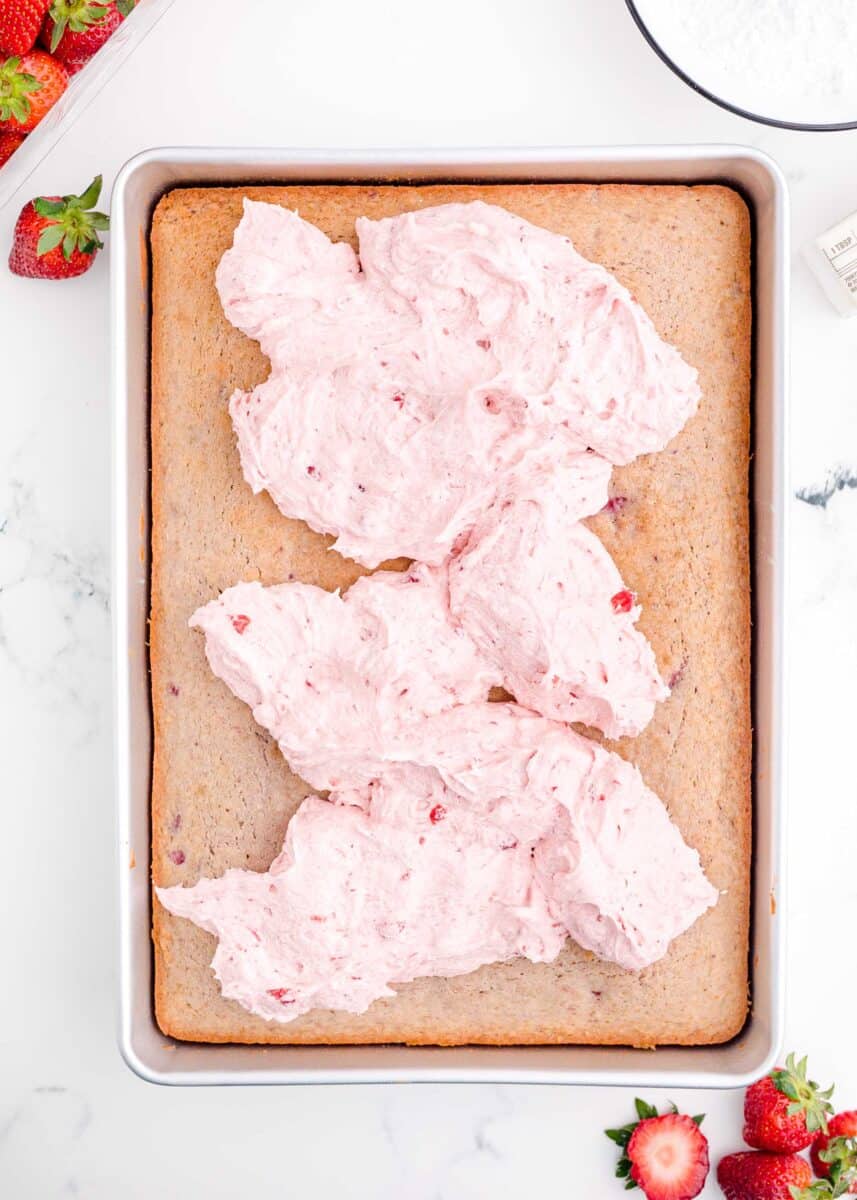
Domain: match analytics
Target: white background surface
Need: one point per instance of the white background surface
(74, 1122)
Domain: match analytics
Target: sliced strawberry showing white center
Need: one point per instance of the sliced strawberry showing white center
(669, 1157)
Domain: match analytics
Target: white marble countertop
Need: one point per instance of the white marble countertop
(74, 1122)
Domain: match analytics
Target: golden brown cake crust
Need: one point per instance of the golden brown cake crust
(222, 794)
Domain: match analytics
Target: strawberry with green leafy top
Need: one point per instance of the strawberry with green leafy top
(837, 1164)
(784, 1111)
(75, 29)
(843, 1125)
(665, 1156)
(20, 22)
(30, 85)
(56, 237)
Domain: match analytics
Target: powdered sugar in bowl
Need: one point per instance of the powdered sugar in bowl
(781, 62)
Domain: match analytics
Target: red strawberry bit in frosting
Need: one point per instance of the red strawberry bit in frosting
(532, 587)
(376, 623)
(240, 623)
(623, 601)
(437, 814)
(615, 504)
(281, 994)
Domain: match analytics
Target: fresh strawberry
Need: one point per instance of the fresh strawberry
(9, 143)
(29, 86)
(843, 1125)
(785, 1110)
(75, 29)
(756, 1175)
(666, 1156)
(20, 22)
(56, 237)
(837, 1164)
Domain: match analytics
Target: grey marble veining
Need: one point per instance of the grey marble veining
(838, 479)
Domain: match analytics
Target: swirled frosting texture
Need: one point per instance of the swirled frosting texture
(334, 678)
(405, 385)
(438, 870)
(479, 831)
(545, 604)
(369, 891)
(457, 396)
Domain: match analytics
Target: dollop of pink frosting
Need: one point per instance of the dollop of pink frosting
(334, 678)
(438, 870)
(458, 396)
(370, 891)
(406, 383)
(545, 604)
(618, 876)
(534, 833)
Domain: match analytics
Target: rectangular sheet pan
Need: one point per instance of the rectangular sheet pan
(147, 1051)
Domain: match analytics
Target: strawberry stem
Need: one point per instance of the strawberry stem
(76, 15)
(841, 1155)
(15, 86)
(72, 223)
(805, 1095)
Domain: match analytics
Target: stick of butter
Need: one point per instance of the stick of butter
(832, 257)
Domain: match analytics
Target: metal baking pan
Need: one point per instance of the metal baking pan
(155, 1057)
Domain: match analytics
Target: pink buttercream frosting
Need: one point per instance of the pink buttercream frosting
(437, 870)
(544, 602)
(534, 817)
(334, 678)
(367, 892)
(406, 383)
(457, 395)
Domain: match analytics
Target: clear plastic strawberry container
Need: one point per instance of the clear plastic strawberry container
(83, 88)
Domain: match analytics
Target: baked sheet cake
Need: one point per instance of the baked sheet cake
(676, 525)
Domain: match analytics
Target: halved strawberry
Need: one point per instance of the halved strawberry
(666, 1156)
